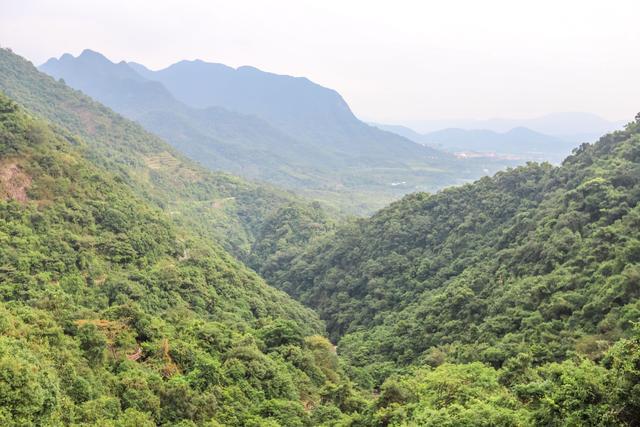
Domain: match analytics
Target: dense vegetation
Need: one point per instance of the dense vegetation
(540, 260)
(111, 315)
(223, 208)
(575, 392)
(513, 301)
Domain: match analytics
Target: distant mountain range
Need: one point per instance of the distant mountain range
(281, 129)
(570, 126)
(217, 137)
(520, 142)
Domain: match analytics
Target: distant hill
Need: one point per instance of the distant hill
(405, 131)
(574, 127)
(218, 138)
(284, 130)
(296, 105)
(566, 125)
(520, 141)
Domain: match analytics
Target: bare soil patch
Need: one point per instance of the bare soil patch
(14, 182)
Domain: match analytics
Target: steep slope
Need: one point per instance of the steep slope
(400, 130)
(111, 315)
(290, 132)
(221, 207)
(218, 138)
(296, 105)
(540, 260)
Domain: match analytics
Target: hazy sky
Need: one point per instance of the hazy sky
(393, 61)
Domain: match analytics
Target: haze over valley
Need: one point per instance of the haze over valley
(284, 130)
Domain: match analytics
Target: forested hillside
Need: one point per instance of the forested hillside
(540, 260)
(111, 315)
(223, 208)
(512, 301)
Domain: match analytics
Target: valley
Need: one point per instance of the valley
(205, 245)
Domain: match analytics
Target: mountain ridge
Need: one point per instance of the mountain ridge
(565, 125)
(158, 172)
(513, 300)
(519, 141)
(278, 129)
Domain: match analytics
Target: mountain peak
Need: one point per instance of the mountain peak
(198, 65)
(89, 54)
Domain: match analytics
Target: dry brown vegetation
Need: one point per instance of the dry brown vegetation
(14, 182)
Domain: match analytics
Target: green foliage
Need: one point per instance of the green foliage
(450, 395)
(623, 362)
(29, 387)
(110, 314)
(538, 260)
(510, 301)
(574, 392)
(282, 236)
(93, 343)
(281, 332)
(221, 208)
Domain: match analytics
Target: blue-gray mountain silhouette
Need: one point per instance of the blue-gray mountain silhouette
(519, 141)
(285, 130)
